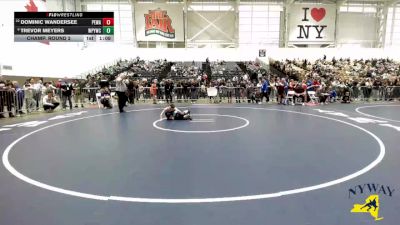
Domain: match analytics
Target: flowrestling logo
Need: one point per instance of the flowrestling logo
(370, 205)
(159, 23)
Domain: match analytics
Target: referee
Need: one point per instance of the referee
(121, 92)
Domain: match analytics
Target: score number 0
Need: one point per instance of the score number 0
(108, 21)
(108, 26)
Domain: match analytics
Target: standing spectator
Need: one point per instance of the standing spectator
(78, 92)
(377, 89)
(8, 98)
(250, 92)
(48, 86)
(193, 91)
(238, 91)
(185, 90)
(66, 93)
(265, 90)
(121, 89)
(131, 91)
(2, 96)
(229, 90)
(272, 92)
(367, 89)
(280, 89)
(153, 91)
(168, 86)
(179, 91)
(38, 93)
(30, 102)
(141, 92)
(92, 86)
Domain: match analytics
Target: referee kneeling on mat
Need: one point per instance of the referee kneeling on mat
(121, 89)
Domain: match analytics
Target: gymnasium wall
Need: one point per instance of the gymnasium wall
(224, 29)
(352, 31)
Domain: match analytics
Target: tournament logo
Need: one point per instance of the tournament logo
(372, 204)
(159, 23)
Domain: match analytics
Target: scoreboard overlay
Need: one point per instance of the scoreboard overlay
(64, 26)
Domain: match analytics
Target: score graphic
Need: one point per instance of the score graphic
(108, 26)
(64, 26)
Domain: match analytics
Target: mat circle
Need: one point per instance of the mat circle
(245, 124)
(377, 117)
(375, 162)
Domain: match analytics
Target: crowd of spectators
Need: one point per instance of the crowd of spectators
(135, 68)
(34, 95)
(163, 81)
(372, 78)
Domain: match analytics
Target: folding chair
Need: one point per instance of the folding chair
(289, 97)
(313, 98)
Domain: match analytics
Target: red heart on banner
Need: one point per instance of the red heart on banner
(318, 14)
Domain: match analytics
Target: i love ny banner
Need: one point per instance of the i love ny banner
(310, 24)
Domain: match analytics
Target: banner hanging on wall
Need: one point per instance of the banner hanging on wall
(159, 22)
(312, 24)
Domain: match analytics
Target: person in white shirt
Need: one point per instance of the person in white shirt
(50, 102)
(38, 92)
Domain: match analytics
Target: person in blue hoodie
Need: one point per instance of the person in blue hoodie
(265, 89)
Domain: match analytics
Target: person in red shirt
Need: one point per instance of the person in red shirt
(316, 84)
(300, 91)
(292, 84)
(153, 91)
